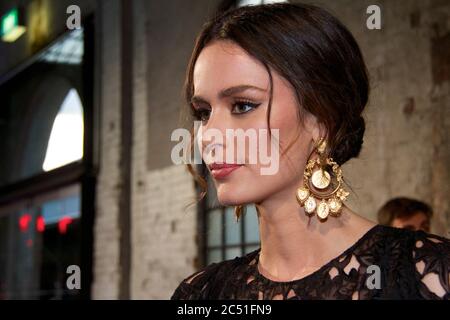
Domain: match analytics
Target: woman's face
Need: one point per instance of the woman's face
(231, 91)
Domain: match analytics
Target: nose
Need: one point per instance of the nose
(219, 119)
(213, 134)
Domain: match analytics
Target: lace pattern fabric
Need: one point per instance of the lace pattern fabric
(408, 262)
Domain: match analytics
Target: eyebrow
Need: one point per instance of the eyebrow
(228, 92)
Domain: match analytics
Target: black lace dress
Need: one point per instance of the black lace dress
(406, 261)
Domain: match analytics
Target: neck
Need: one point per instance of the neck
(294, 244)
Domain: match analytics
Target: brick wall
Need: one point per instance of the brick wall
(163, 229)
(163, 232)
(106, 229)
(406, 150)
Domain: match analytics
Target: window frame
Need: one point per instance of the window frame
(83, 172)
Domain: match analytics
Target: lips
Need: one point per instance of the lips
(221, 170)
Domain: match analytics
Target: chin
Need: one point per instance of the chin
(233, 194)
(231, 199)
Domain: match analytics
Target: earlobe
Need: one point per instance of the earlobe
(316, 128)
(320, 132)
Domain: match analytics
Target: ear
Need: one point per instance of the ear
(316, 128)
(320, 132)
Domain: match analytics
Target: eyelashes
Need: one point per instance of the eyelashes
(238, 108)
(201, 114)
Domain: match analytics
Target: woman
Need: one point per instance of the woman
(296, 68)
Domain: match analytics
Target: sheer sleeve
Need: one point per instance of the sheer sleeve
(431, 255)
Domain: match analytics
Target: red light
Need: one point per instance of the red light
(24, 220)
(40, 224)
(29, 243)
(63, 223)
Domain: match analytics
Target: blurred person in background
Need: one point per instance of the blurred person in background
(406, 213)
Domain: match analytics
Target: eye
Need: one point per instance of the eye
(201, 114)
(243, 107)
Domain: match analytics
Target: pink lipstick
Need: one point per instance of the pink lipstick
(221, 170)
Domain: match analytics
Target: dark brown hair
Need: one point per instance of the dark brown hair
(311, 49)
(402, 208)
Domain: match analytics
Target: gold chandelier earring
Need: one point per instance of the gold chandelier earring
(322, 191)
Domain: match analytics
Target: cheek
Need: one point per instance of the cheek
(294, 139)
(248, 185)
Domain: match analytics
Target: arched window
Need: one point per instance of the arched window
(65, 144)
(47, 185)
